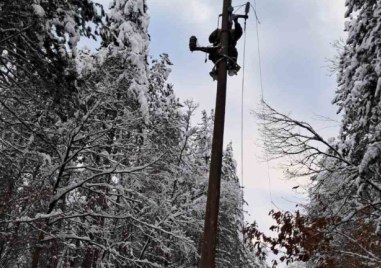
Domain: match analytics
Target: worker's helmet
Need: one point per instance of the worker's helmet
(214, 36)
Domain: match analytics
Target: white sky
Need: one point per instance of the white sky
(296, 39)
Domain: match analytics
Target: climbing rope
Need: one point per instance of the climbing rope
(242, 110)
(257, 22)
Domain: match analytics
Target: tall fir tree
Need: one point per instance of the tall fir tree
(352, 192)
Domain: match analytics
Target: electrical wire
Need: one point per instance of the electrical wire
(239, 7)
(257, 22)
(243, 89)
(242, 114)
(255, 12)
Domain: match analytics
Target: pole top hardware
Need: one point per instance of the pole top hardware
(246, 16)
(237, 16)
(247, 8)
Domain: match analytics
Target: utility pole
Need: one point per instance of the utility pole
(209, 243)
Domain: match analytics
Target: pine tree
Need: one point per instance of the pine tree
(231, 250)
(125, 48)
(355, 187)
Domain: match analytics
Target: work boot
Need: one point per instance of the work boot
(213, 74)
(233, 70)
(192, 43)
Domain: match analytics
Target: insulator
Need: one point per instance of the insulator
(247, 8)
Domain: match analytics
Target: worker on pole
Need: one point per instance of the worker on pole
(224, 56)
(215, 51)
(209, 242)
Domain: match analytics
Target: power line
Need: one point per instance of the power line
(242, 115)
(257, 22)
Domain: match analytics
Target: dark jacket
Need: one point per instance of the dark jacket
(235, 35)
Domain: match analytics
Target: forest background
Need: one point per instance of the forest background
(98, 156)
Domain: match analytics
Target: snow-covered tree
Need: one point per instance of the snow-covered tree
(38, 89)
(345, 173)
(125, 50)
(100, 163)
(355, 188)
(231, 251)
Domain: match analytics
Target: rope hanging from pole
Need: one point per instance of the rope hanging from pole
(247, 9)
(257, 22)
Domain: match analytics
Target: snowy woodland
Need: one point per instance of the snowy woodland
(101, 165)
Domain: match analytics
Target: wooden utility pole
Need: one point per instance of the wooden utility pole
(208, 250)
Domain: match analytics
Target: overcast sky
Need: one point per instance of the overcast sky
(296, 38)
